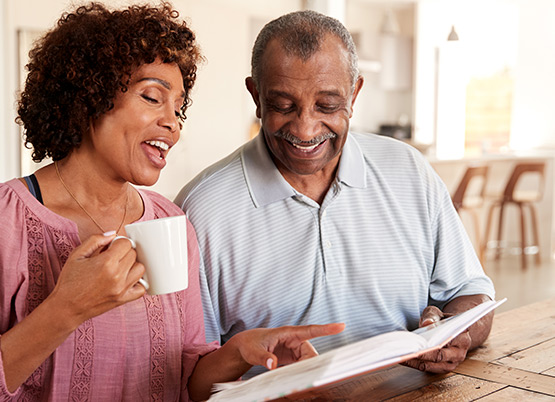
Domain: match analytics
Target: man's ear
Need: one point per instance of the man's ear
(358, 86)
(251, 87)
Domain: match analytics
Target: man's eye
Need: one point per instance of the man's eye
(327, 108)
(283, 108)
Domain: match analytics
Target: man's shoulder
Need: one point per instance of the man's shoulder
(206, 182)
(375, 145)
(390, 154)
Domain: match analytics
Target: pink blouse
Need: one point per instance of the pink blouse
(143, 350)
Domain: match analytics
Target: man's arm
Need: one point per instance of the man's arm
(451, 355)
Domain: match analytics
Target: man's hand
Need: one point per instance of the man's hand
(446, 359)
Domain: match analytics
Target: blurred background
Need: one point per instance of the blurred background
(469, 83)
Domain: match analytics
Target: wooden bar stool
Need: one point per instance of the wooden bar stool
(469, 196)
(522, 199)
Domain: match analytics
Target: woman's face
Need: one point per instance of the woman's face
(131, 141)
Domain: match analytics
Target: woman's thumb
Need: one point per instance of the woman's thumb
(92, 244)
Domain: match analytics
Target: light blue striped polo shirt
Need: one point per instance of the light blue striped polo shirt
(385, 243)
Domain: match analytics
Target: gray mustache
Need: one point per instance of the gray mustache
(295, 140)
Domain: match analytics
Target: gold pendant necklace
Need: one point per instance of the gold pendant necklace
(83, 208)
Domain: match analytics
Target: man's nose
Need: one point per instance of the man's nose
(305, 125)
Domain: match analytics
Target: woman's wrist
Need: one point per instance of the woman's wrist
(233, 348)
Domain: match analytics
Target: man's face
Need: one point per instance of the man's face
(305, 107)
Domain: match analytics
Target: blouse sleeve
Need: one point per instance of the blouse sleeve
(13, 272)
(13, 258)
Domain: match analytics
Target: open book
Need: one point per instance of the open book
(351, 360)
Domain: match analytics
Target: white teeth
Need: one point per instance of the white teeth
(306, 148)
(159, 144)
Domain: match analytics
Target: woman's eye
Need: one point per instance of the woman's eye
(150, 99)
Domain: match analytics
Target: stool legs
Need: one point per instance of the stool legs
(522, 236)
(499, 230)
(476, 222)
(488, 227)
(535, 231)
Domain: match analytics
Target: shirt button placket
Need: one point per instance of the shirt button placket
(326, 243)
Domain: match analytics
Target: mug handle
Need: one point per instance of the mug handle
(142, 281)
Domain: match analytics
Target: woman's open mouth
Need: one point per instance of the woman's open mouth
(161, 146)
(156, 151)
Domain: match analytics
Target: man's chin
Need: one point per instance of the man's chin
(305, 169)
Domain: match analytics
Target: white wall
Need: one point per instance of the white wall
(533, 119)
(3, 92)
(484, 25)
(377, 104)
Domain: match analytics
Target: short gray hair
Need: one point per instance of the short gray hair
(301, 34)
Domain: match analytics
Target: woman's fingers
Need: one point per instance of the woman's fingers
(286, 344)
(136, 272)
(293, 336)
(95, 281)
(307, 351)
(91, 245)
(306, 332)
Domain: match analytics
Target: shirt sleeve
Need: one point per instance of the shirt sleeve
(211, 311)
(457, 270)
(195, 345)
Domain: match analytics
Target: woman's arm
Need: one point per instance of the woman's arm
(90, 283)
(29, 343)
(264, 347)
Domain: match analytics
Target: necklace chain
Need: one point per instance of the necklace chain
(83, 208)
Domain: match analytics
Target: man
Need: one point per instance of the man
(308, 223)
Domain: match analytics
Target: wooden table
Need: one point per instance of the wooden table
(517, 362)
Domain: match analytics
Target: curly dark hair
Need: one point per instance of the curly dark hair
(77, 68)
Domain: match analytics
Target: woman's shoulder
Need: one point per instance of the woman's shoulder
(158, 205)
(13, 195)
(13, 203)
(18, 204)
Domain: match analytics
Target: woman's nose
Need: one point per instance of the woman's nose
(170, 119)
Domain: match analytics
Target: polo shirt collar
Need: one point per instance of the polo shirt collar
(266, 184)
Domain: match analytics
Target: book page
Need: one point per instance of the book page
(345, 361)
(442, 332)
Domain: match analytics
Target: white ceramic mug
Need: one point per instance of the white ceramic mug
(161, 246)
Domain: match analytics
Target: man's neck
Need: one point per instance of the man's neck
(315, 186)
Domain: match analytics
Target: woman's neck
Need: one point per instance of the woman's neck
(93, 198)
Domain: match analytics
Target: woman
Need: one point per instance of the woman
(105, 96)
